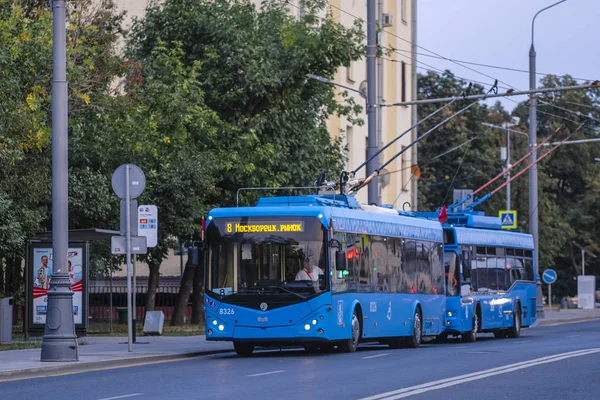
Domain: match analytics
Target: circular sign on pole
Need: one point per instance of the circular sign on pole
(549, 276)
(137, 181)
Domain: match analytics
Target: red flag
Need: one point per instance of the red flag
(443, 217)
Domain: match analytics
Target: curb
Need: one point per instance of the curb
(90, 366)
(564, 321)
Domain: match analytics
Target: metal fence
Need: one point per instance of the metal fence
(108, 301)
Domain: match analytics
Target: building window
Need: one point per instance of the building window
(350, 73)
(404, 170)
(348, 144)
(403, 11)
(403, 81)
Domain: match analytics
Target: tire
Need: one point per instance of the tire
(350, 345)
(471, 337)
(500, 334)
(515, 331)
(243, 349)
(417, 336)
(311, 348)
(395, 342)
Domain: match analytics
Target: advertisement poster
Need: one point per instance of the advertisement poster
(42, 272)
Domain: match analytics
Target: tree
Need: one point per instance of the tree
(253, 65)
(250, 67)
(469, 166)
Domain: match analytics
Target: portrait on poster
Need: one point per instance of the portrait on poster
(42, 273)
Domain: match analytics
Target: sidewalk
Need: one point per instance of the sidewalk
(108, 352)
(568, 315)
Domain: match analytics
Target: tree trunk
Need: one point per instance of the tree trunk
(198, 293)
(185, 288)
(152, 285)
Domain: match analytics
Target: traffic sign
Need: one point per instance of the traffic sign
(549, 276)
(147, 223)
(137, 181)
(118, 245)
(508, 219)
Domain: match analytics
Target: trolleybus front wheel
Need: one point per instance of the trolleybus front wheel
(471, 337)
(243, 349)
(515, 330)
(350, 345)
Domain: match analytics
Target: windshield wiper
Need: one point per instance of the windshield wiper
(288, 291)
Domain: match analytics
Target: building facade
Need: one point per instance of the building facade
(397, 185)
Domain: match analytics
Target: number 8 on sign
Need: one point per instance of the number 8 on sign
(228, 228)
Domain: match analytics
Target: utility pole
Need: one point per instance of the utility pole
(379, 92)
(507, 167)
(415, 133)
(373, 192)
(59, 342)
(533, 175)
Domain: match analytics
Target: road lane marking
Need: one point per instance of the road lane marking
(376, 355)
(457, 380)
(573, 335)
(123, 396)
(267, 373)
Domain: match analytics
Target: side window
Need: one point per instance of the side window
(410, 264)
(380, 275)
(466, 264)
(425, 285)
(397, 275)
(353, 256)
(479, 270)
(437, 267)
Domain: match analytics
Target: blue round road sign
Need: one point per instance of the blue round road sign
(549, 276)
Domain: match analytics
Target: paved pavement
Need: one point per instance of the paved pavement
(545, 363)
(110, 352)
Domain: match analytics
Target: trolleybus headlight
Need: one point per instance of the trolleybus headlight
(221, 327)
(320, 331)
(214, 322)
(307, 327)
(314, 321)
(210, 331)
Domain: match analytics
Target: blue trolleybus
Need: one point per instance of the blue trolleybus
(322, 271)
(490, 277)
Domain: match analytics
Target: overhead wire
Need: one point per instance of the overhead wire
(497, 66)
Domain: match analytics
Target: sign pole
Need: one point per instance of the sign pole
(128, 257)
(550, 296)
(133, 300)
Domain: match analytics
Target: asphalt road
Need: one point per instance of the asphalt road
(549, 363)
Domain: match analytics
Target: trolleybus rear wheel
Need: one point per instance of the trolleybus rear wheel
(415, 340)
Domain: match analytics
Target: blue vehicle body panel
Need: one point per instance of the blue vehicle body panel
(383, 314)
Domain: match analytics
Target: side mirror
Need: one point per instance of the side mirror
(340, 260)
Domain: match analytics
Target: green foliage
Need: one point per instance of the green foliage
(252, 67)
(568, 181)
(471, 165)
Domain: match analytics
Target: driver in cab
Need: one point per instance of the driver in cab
(309, 272)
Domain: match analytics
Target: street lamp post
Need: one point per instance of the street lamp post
(533, 176)
(59, 342)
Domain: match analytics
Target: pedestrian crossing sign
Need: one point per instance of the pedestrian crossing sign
(508, 219)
